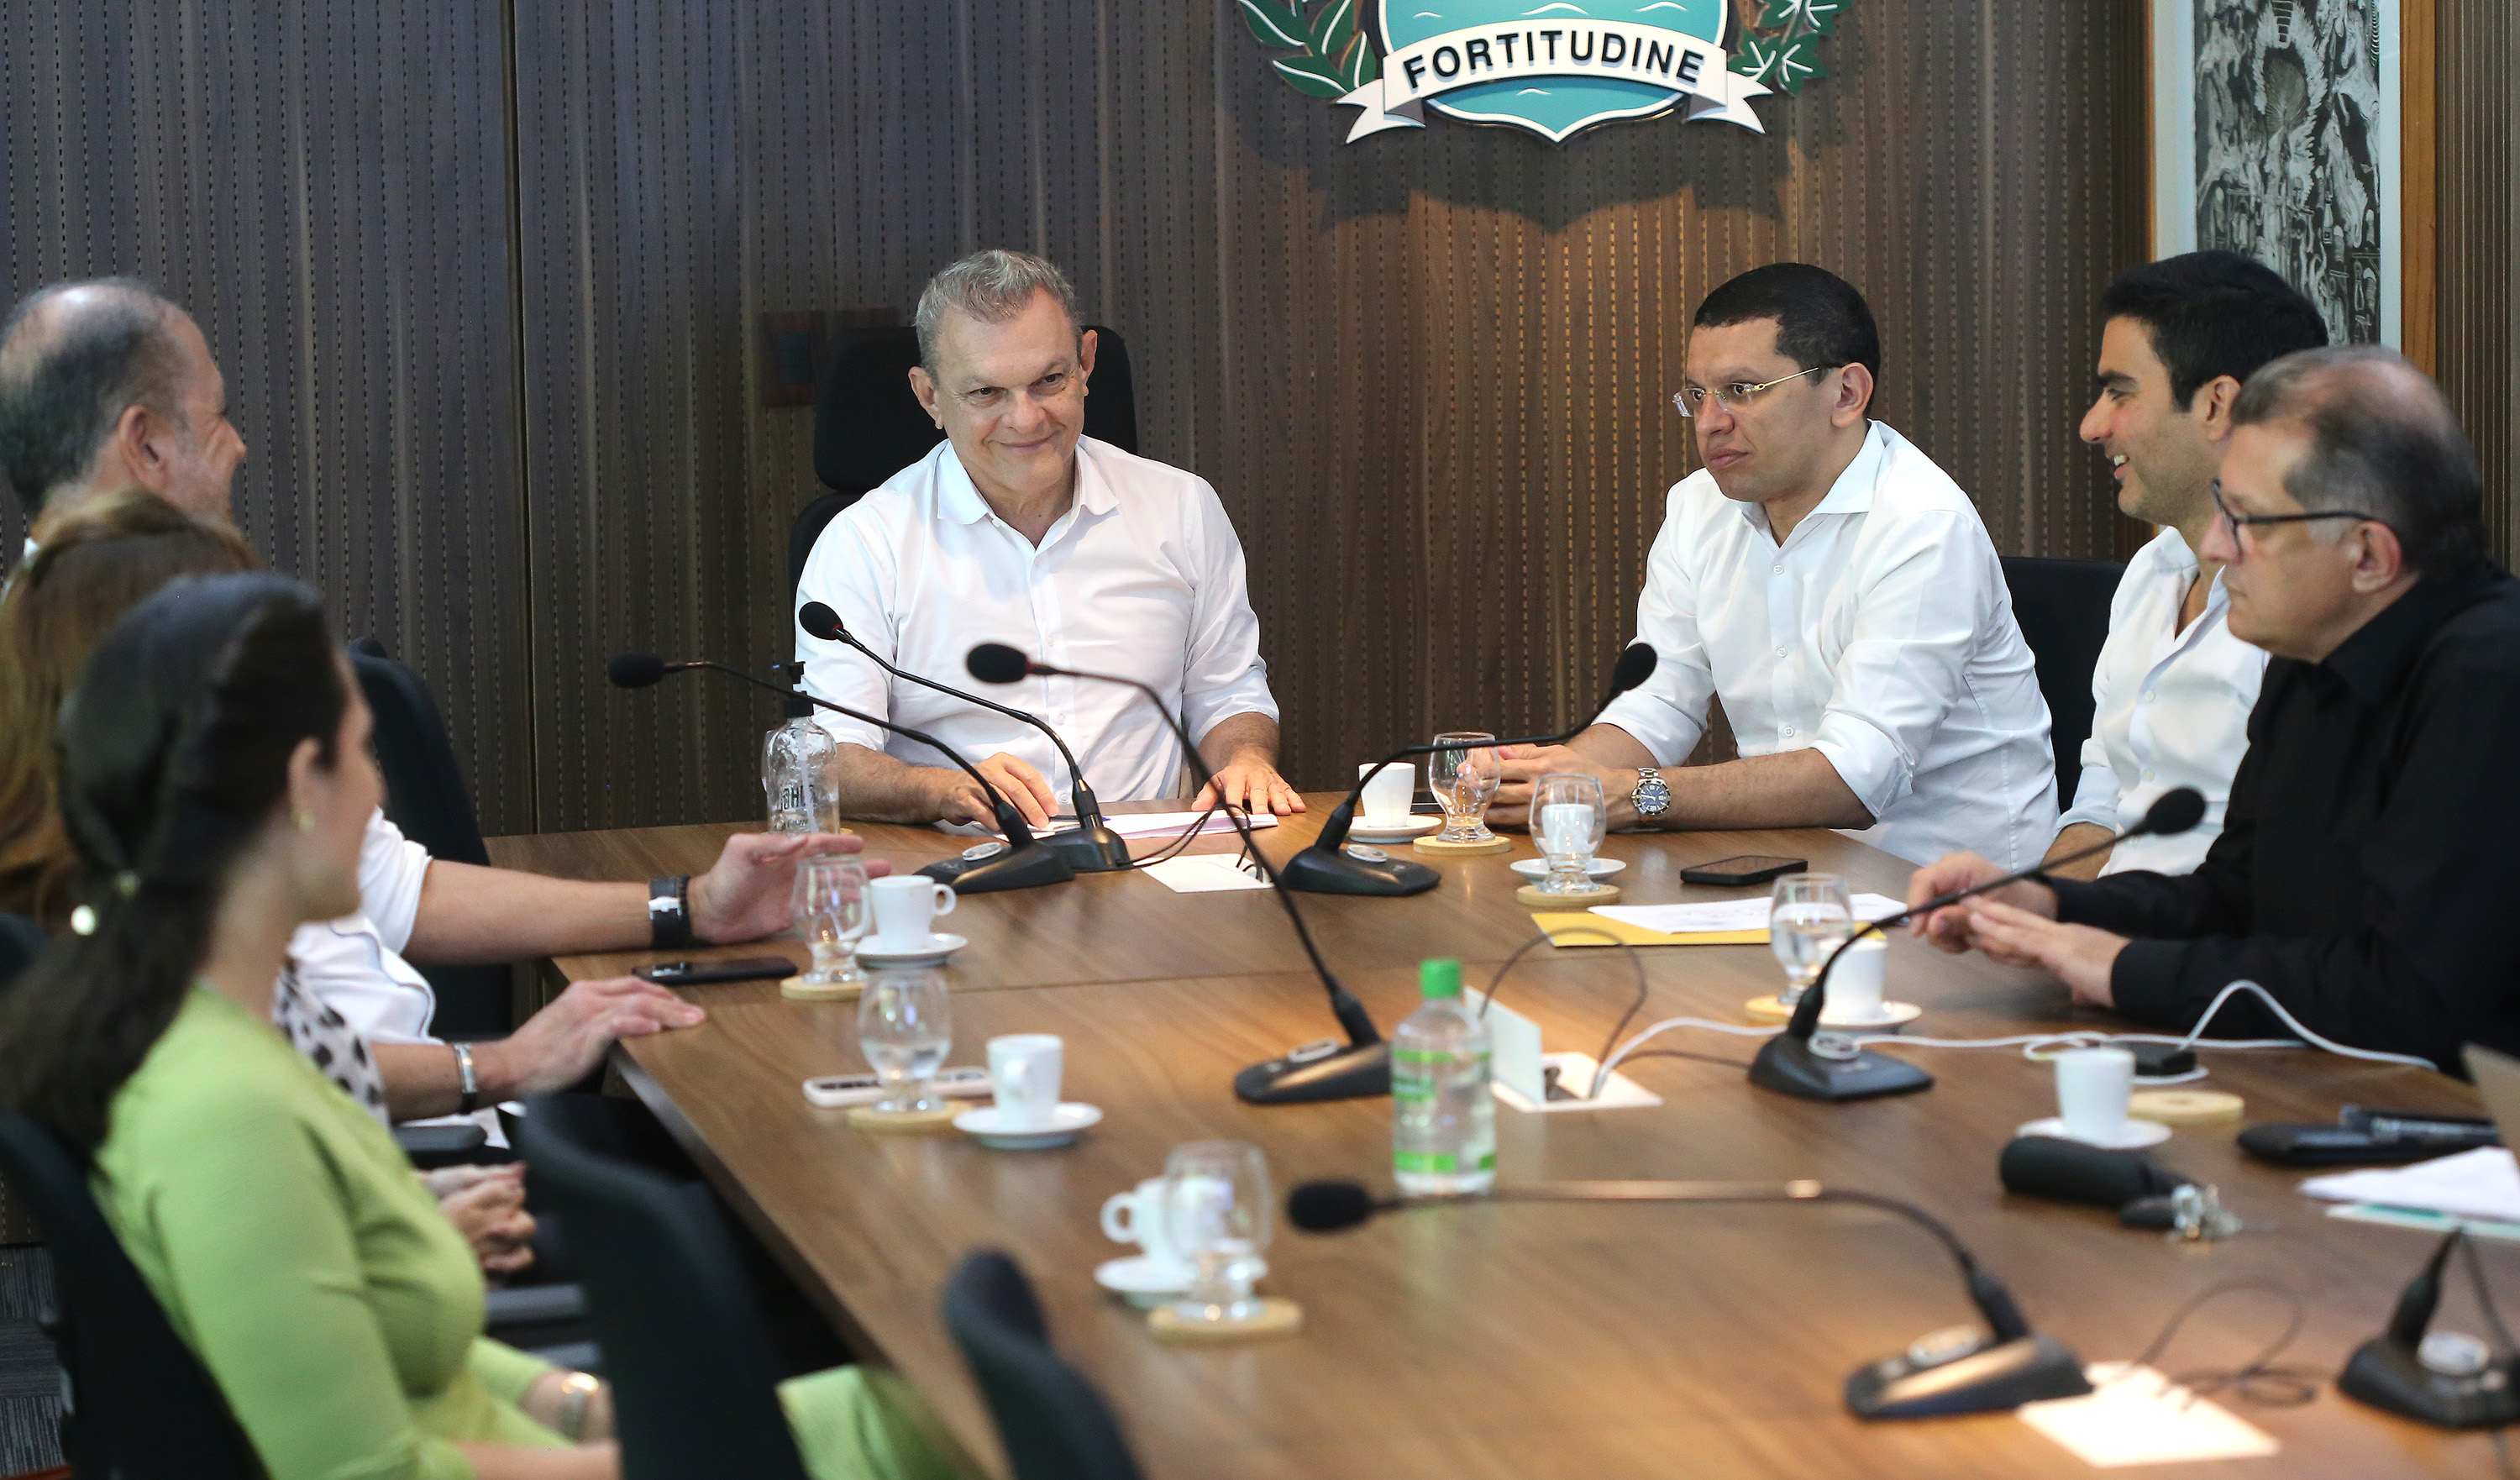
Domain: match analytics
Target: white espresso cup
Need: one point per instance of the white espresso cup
(1137, 1217)
(2092, 1089)
(1855, 982)
(906, 906)
(1386, 798)
(1024, 1073)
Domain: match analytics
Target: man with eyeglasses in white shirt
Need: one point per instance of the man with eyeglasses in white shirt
(1837, 591)
(2174, 688)
(1019, 529)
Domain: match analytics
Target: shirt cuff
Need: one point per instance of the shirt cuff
(2144, 981)
(1866, 760)
(1247, 694)
(2099, 811)
(1655, 723)
(849, 731)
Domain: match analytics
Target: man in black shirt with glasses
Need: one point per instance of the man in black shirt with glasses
(2363, 874)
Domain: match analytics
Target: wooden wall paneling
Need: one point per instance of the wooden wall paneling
(2479, 279)
(322, 185)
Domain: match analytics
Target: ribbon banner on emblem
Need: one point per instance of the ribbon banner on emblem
(1479, 54)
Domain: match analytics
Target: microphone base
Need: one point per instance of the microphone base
(2390, 1377)
(1023, 868)
(1328, 870)
(1788, 1066)
(1986, 1377)
(1090, 850)
(1347, 1074)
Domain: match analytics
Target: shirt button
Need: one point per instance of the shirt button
(1778, 569)
(2148, 696)
(2147, 773)
(1789, 729)
(1780, 652)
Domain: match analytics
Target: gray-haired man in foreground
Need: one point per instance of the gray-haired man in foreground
(1019, 529)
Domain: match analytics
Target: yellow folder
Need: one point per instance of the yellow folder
(1585, 929)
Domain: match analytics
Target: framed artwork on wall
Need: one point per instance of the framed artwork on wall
(2299, 133)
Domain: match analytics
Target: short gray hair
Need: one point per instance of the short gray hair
(2383, 440)
(992, 287)
(67, 373)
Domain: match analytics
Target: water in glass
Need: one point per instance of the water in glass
(905, 1028)
(1464, 776)
(830, 908)
(1219, 1213)
(1807, 918)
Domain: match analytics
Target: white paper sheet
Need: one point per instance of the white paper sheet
(1202, 873)
(1728, 914)
(1171, 823)
(2135, 1416)
(2480, 1184)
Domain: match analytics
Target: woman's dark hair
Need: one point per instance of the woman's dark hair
(174, 754)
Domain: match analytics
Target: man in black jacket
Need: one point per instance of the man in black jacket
(2363, 874)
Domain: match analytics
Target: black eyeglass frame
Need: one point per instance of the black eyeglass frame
(2240, 521)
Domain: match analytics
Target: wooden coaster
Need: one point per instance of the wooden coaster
(867, 1117)
(1767, 1009)
(1275, 1318)
(2184, 1107)
(847, 991)
(1581, 899)
(1434, 843)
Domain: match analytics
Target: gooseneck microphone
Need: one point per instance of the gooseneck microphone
(1951, 1372)
(1022, 864)
(1328, 867)
(1323, 1070)
(1808, 1064)
(1091, 846)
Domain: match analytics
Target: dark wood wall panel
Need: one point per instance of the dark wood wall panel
(1428, 372)
(2480, 219)
(322, 185)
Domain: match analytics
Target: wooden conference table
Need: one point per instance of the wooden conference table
(1514, 1342)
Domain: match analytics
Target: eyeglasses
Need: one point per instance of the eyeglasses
(1733, 398)
(2241, 522)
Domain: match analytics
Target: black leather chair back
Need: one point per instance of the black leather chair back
(426, 796)
(696, 1394)
(1053, 1422)
(2063, 607)
(868, 424)
(22, 940)
(142, 1405)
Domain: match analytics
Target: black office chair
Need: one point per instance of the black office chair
(696, 1396)
(22, 940)
(2063, 607)
(868, 424)
(426, 796)
(142, 1406)
(1053, 1422)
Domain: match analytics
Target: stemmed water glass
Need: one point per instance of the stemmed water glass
(1807, 918)
(1464, 776)
(1219, 1213)
(830, 908)
(905, 1026)
(1569, 816)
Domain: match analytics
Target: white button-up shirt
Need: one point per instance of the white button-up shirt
(2172, 709)
(1141, 577)
(1880, 635)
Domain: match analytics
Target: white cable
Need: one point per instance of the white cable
(2294, 1023)
(1638, 1040)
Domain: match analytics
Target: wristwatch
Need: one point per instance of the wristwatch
(1652, 796)
(466, 1079)
(669, 911)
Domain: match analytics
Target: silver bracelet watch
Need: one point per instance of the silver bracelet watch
(1652, 796)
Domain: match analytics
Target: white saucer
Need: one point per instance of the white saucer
(1891, 1015)
(2135, 1133)
(1392, 832)
(938, 947)
(1538, 867)
(987, 1123)
(1147, 1283)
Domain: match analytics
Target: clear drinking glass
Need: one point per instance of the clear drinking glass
(1219, 1213)
(830, 908)
(1463, 778)
(1807, 918)
(905, 1026)
(1569, 816)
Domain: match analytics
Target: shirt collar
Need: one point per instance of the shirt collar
(959, 499)
(2373, 660)
(1852, 493)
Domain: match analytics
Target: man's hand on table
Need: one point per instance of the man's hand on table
(748, 893)
(562, 1044)
(2016, 925)
(1523, 765)
(1249, 782)
(1025, 789)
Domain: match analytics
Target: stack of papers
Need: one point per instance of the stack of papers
(1723, 922)
(2479, 1190)
(1174, 824)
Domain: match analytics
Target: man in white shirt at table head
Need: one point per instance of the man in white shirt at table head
(1019, 529)
(2174, 688)
(1837, 590)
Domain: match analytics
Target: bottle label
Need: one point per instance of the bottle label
(1437, 1161)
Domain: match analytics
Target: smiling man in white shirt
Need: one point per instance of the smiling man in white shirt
(1019, 529)
(1838, 591)
(2174, 688)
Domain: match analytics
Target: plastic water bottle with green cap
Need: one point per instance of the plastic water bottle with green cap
(1443, 1119)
